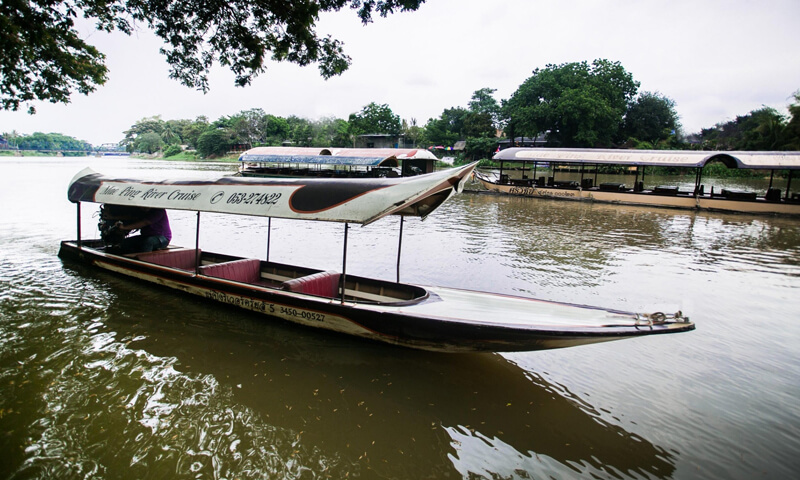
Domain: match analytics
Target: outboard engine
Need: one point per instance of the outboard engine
(110, 220)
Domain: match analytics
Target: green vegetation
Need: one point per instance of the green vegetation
(46, 58)
(45, 142)
(761, 129)
(574, 104)
(593, 105)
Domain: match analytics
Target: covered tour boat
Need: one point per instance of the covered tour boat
(431, 318)
(588, 162)
(335, 162)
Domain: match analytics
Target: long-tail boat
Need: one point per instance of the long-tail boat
(588, 162)
(335, 162)
(431, 318)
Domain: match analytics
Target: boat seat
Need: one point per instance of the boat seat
(324, 284)
(183, 259)
(246, 270)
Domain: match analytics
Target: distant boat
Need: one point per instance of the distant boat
(772, 201)
(430, 318)
(335, 162)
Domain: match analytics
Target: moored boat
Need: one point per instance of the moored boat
(588, 161)
(431, 318)
(335, 162)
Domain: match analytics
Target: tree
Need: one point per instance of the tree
(50, 141)
(277, 130)
(574, 104)
(484, 102)
(761, 129)
(791, 134)
(331, 132)
(651, 118)
(149, 142)
(250, 126)
(141, 127)
(374, 118)
(192, 131)
(45, 58)
(214, 142)
(448, 128)
(412, 131)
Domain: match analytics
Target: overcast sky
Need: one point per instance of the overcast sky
(715, 58)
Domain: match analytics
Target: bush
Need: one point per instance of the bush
(172, 150)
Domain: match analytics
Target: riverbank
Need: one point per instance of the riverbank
(181, 157)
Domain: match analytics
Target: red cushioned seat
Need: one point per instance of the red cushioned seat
(183, 259)
(246, 270)
(324, 284)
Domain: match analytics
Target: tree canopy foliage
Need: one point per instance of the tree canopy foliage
(651, 117)
(476, 125)
(574, 104)
(761, 129)
(375, 119)
(45, 58)
(48, 142)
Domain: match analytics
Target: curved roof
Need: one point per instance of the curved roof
(663, 158)
(368, 157)
(354, 200)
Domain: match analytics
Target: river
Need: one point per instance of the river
(105, 377)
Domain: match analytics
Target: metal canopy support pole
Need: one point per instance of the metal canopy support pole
(697, 177)
(269, 230)
(789, 184)
(771, 176)
(535, 164)
(344, 261)
(79, 225)
(197, 246)
(399, 247)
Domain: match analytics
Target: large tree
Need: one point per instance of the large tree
(574, 104)
(44, 57)
(483, 101)
(651, 118)
(448, 128)
(374, 118)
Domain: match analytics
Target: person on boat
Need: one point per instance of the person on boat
(153, 226)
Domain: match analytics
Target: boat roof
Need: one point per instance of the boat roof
(353, 200)
(368, 157)
(663, 158)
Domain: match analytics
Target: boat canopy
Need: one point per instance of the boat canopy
(661, 158)
(366, 157)
(353, 200)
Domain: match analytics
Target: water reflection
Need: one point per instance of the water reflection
(362, 407)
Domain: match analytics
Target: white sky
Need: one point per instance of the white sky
(715, 58)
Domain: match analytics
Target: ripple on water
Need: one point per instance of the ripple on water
(86, 397)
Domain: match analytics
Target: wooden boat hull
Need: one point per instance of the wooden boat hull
(647, 198)
(429, 318)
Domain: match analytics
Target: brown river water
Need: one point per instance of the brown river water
(105, 377)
